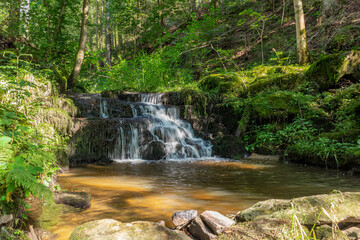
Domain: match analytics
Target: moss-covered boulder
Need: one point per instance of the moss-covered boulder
(109, 229)
(317, 209)
(328, 70)
(222, 83)
(326, 216)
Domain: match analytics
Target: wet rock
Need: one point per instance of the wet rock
(198, 229)
(307, 209)
(216, 221)
(183, 218)
(171, 98)
(154, 151)
(74, 199)
(5, 219)
(113, 230)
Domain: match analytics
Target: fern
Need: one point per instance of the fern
(24, 179)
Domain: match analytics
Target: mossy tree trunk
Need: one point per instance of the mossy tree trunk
(82, 44)
(302, 50)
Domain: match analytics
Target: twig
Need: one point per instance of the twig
(219, 56)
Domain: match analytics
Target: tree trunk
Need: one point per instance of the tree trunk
(97, 25)
(100, 25)
(302, 50)
(61, 20)
(82, 44)
(193, 5)
(108, 34)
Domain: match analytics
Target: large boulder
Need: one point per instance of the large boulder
(328, 70)
(109, 229)
(319, 209)
(74, 199)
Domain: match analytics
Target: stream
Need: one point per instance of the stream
(160, 166)
(151, 191)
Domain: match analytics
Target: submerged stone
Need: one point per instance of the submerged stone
(109, 229)
(74, 199)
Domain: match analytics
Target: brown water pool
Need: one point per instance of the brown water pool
(152, 191)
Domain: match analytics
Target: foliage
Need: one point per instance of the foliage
(27, 154)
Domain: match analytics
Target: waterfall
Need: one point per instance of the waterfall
(153, 132)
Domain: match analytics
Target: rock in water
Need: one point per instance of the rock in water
(109, 229)
(198, 229)
(74, 199)
(216, 221)
(183, 218)
(156, 150)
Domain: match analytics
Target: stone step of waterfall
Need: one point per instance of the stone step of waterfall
(96, 106)
(166, 98)
(133, 126)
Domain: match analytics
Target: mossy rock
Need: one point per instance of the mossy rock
(228, 146)
(275, 105)
(309, 210)
(221, 83)
(328, 70)
(109, 229)
(284, 82)
(58, 118)
(195, 98)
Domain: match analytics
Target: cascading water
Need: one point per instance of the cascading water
(155, 131)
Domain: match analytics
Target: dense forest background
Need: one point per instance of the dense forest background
(233, 58)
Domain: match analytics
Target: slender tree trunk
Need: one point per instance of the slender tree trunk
(193, 5)
(97, 25)
(82, 44)
(108, 34)
(302, 50)
(47, 14)
(61, 20)
(100, 25)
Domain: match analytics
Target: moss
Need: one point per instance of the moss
(58, 118)
(278, 104)
(328, 70)
(222, 83)
(196, 98)
(229, 146)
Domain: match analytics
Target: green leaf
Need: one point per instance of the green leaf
(4, 140)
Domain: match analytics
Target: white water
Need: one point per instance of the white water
(155, 128)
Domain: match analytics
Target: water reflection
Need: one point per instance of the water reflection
(129, 191)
